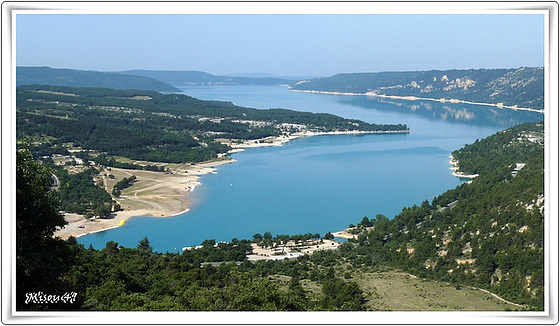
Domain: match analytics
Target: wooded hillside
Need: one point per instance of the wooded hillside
(523, 87)
(88, 78)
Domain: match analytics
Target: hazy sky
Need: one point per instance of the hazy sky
(283, 45)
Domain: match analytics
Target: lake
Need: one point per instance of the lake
(322, 183)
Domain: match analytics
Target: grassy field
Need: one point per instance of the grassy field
(399, 291)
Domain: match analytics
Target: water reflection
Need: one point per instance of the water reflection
(463, 113)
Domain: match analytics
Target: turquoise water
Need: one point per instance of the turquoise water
(322, 183)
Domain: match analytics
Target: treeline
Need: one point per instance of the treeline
(104, 160)
(123, 184)
(124, 279)
(267, 237)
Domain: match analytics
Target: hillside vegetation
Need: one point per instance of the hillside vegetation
(487, 234)
(522, 87)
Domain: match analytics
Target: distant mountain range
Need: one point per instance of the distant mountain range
(154, 80)
(523, 87)
(199, 77)
(87, 78)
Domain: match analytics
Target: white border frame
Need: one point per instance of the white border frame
(10, 10)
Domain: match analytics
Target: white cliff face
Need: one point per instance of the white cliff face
(512, 80)
(458, 83)
(427, 89)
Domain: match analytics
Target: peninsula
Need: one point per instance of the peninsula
(146, 150)
(155, 193)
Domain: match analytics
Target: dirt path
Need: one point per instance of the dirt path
(498, 297)
(479, 289)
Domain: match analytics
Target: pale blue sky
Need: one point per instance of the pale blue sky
(283, 45)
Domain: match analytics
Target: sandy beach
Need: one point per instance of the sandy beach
(155, 194)
(279, 141)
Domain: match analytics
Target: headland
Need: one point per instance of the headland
(165, 194)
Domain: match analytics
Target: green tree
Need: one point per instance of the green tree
(40, 258)
(365, 222)
(144, 244)
(111, 247)
(102, 210)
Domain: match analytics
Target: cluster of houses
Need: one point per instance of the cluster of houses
(291, 249)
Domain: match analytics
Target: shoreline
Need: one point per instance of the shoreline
(347, 233)
(163, 195)
(455, 168)
(415, 98)
(158, 195)
(280, 140)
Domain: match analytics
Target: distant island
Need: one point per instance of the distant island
(515, 88)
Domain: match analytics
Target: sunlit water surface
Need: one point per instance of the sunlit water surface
(322, 183)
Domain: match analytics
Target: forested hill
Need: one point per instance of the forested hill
(203, 78)
(82, 78)
(523, 87)
(146, 125)
(488, 233)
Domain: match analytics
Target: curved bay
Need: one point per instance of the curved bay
(323, 183)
